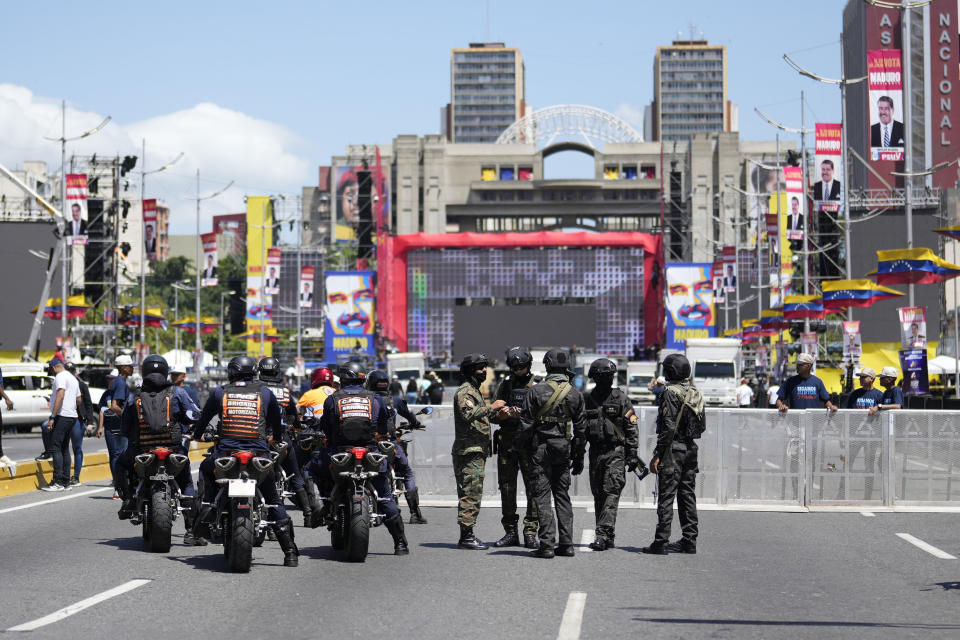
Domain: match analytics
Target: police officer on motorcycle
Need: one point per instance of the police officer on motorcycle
(613, 436)
(238, 429)
(272, 376)
(511, 458)
(156, 415)
(379, 383)
(360, 426)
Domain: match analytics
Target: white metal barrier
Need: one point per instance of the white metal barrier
(762, 457)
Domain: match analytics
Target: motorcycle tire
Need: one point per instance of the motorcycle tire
(338, 534)
(145, 523)
(240, 548)
(358, 536)
(160, 522)
(260, 532)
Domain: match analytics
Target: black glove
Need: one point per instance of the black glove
(576, 465)
(496, 441)
(633, 461)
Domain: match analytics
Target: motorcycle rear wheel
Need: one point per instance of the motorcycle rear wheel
(338, 535)
(239, 550)
(358, 536)
(160, 522)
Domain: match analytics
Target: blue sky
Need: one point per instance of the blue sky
(263, 93)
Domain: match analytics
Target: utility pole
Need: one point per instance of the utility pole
(806, 226)
(908, 136)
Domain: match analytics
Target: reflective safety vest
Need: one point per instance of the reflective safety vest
(242, 414)
(315, 399)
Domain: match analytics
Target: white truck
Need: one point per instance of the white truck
(715, 363)
(406, 366)
(639, 375)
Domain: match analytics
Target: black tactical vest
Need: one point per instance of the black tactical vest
(355, 416)
(149, 437)
(242, 414)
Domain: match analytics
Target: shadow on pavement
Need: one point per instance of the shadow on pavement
(946, 586)
(526, 553)
(440, 545)
(804, 623)
(124, 544)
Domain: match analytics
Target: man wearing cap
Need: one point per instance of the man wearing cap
(892, 394)
(63, 414)
(179, 378)
(804, 390)
(744, 394)
(866, 397)
(865, 434)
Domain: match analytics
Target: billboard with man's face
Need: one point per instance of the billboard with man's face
(885, 82)
(348, 200)
(350, 311)
(690, 305)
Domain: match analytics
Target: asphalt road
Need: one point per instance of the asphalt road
(758, 575)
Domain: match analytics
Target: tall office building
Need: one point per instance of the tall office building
(689, 92)
(487, 92)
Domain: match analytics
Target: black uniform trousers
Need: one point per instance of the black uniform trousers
(678, 482)
(550, 475)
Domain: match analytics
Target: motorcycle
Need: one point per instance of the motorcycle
(398, 483)
(240, 511)
(308, 440)
(157, 495)
(355, 503)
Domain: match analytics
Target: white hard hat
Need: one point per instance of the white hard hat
(123, 361)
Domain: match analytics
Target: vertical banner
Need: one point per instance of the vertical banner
(76, 212)
(795, 218)
(150, 228)
(913, 327)
(913, 363)
(306, 287)
(761, 358)
(716, 273)
(852, 346)
(885, 86)
(348, 199)
(808, 344)
(350, 314)
(828, 189)
(690, 304)
(272, 285)
(259, 222)
(773, 239)
(729, 269)
(210, 277)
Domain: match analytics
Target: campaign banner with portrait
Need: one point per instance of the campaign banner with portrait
(690, 303)
(795, 214)
(852, 345)
(885, 87)
(729, 254)
(306, 287)
(348, 199)
(76, 209)
(150, 228)
(808, 345)
(828, 188)
(913, 327)
(350, 313)
(210, 276)
(913, 363)
(764, 182)
(272, 285)
(779, 287)
(716, 273)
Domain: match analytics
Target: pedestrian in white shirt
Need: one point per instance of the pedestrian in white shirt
(744, 394)
(772, 395)
(63, 415)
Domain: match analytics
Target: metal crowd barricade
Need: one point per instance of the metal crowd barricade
(761, 457)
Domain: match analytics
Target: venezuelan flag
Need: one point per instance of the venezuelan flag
(800, 307)
(77, 307)
(950, 232)
(207, 325)
(770, 319)
(912, 266)
(838, 294)
(269, 334)
(153, 318)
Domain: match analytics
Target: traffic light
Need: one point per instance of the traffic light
(129, 162)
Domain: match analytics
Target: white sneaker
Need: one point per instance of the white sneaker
(9, 464)
(52, 487)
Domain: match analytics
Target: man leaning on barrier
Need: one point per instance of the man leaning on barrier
(892, 394)
(804, 390)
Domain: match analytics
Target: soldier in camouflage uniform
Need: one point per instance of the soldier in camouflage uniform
(471, 445)
(613, 436)
(512, 460)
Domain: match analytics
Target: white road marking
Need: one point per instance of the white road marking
(585, 539)
(743, 449)
(71, 496)
(868, 514)
(572, 616)
(66, 612)
(929, 548)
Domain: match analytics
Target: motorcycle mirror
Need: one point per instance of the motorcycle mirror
(425, 411)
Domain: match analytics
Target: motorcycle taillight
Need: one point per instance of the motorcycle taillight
(358, 453)
(243, 456)
(161, 452)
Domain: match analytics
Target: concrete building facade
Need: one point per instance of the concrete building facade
(487, 92)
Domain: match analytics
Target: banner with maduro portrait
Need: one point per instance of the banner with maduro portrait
(690, 307)
(349, 307)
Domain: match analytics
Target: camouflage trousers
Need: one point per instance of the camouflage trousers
(510, 464)
(607, 479)
(468, 470)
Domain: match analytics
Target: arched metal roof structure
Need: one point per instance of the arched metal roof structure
(569, 123)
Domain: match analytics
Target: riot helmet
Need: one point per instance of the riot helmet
(241, 368)
(602, 371)
(269, 368)
(557, 361)
(676, 367)
(378, 382)
(470, 364)
(320, 377)
(154, 364)
(519, 357)
(351, 373)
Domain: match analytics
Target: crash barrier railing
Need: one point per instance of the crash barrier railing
(762, 457)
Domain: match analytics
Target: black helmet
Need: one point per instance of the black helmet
(351, 373)
(269, 368)
(602, 367)
(154, 364)
(375, 378)
(241, 368)
(473, 361)
(676, 367)
(519, 357)
(556, 361)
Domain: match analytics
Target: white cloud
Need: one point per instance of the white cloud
(632, 114)
(260, 156)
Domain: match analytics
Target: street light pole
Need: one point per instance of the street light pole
(806, 226)
(908, 136)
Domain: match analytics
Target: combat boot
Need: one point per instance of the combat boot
(682, 546)
(655, 549)
(470, 541)
(305, 507)
(395, 527)
(565, 550)
(413, 501)
(510, 538)
(190, 538)
(598, 544)
(530, 541)
(544, 552)
(284, 533)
